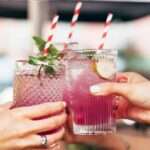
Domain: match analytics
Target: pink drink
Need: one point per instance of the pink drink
(31, 89)
(91, 115)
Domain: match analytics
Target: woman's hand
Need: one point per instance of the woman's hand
(134, 92)
(130, 106)
(19, 130)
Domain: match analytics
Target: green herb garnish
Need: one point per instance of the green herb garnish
(89, 54)
(39, 42)
(48, 62)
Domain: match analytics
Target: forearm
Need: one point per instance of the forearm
(115, 142)
(125, 142)
(110, 141)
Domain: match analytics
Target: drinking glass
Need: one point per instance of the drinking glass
(91, 114)
(33, 86)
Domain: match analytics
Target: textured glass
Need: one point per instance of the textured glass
(91, 114)
(30, 88)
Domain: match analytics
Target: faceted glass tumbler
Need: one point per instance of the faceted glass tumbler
(32, 87)
(91, 114)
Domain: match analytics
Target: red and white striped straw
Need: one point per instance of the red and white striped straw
(73, 22)
(53, 26)
(106, 28)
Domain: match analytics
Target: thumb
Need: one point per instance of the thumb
(108, 88)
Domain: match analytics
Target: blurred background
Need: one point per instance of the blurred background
(129, 34)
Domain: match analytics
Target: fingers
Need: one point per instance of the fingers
(41, 110)
(49, 123)
(35, 140)
(136, 93)
(131, 77)
(121, 79)
(6, 106)
(70, 121)
(108, 88)
(55, 137)
(138, 114)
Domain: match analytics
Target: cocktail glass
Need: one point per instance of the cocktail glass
(32, 86)
(91, 114)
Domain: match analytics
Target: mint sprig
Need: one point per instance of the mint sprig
(39, 42)
(89, 54)
(48, 62)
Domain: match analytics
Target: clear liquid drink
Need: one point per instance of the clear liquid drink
(91, 114)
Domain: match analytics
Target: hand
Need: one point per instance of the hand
(106, 141)
(19, 131)
(134, 102)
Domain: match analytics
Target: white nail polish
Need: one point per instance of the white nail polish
(95, 89)
(64, 103)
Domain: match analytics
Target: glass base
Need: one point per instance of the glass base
(94, 129)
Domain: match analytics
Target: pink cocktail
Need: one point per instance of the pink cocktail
(91, 115)
(32, 86)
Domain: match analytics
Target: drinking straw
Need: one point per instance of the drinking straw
(106, 28)
(53, 26)
(73, 22)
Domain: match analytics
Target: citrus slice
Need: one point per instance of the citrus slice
(106, 69)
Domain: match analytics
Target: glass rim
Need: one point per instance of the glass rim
(92, 50)
(23, 61)
(61, 43)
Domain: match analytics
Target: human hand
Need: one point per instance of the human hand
(134, 100)
(19, 130)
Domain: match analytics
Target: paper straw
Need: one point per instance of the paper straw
(73, 22)
(53, 26)
(106, 28)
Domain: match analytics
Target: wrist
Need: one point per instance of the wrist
(116, 142)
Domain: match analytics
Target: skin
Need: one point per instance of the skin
(132, 103)
(134, 96)
(19, 130)
(111, 141)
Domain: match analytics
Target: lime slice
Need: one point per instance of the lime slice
(106, 69)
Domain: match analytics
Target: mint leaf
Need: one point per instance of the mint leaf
(39, 42)
(47, 62)
(42, 58)
(51, 58)
(48, 69)
(89, 54)
(34, 60)
(53, 50)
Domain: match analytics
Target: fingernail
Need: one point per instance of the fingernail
(123, 80)
(64, 103)
(95, 89)
(63, 129)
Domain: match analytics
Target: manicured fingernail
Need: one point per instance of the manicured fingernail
(63, 129)
(64, 103)
(95, 89)
(123, 79)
